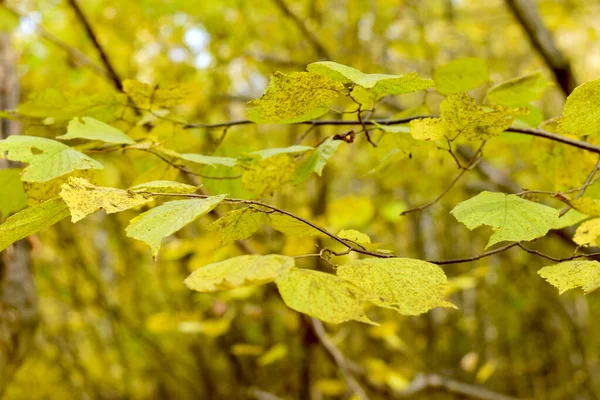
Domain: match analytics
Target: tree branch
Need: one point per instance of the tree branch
(541, 39)
(112, 73)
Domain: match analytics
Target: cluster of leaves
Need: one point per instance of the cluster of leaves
(56, 184)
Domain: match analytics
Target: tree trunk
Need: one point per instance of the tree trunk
(18, 297)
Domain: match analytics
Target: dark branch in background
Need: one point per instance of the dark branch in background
(541, 39)
(339, 359)
(322, 122)
(94, 38)
(308, 34)
(73, 53)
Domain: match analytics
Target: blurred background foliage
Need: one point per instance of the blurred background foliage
(117, 325)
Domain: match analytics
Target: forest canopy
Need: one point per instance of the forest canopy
(307, 199)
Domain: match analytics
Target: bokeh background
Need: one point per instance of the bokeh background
(114, 324)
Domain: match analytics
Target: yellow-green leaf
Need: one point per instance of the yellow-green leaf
(587, 233)
(408, 286)
(238, 224)
(164, 187)
(392, 128)
(213, 161)
(14, 198)
(153, 226)
(92, 129)
(581, 114)
(316, 160)
(586, 205)
(290, 226)
(573, 274)
(323, 296)
(278, 352)
(297, 97)
(461, 75)
(83, 198)
(266, 153)
(55, 106)
(511, 217)
(520, 91)
(379, 84)
(149, 96)
(462, 116)
(264, 175)
(32, 220)
(47, 158)
(572, 217)
(428, 129)
(249, 270)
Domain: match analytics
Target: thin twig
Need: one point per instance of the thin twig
(549, 257)
(339, 358)
(94, 38)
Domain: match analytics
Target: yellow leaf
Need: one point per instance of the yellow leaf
(572, 274)
(274, 354)
(428, 129)
(149, 96)
(587, 233)
(238, 224)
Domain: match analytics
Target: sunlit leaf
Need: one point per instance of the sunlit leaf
(460, 75)
(297, 97)
(518, 92)
(587, 233)
(462, 116)
(47, 158)
(92, 129)
(164, 187)
(316, 160)
(379, 84)
(83, 198)
(408, 286)
(249, 270)
(32, 220)
(573, 274)
(265, 175)
(278, 352)
(572, 217)
(586, 205)
(323, 296)
(283, 150)
(428, 129)
(153, 226)
(290, 226)
(581, 114)
(147, 96)
(213, 161)
(10, 183)
(238, 224)
(511, 217)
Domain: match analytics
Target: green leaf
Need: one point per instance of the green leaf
(238, 224)
(518, 92)
(283, 150)
(581, 114)
(213, 161)
(573, 274)
(511, 217)
(462, 116)
(572, 217)
(587, 233)
(83, 198)
(32, 220)
(153, 226)
(264, 176)
(392, 128)
(54, 106)
(316, 160)
(47, 158)
(461, 75)
(92, 129)
(239, 271)
(290, 226)
(379, 84)
(428, 129)
(408, 286)
(323, 296)
(297, 97)
(151, 96)
(14, 198)
(164, 187)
